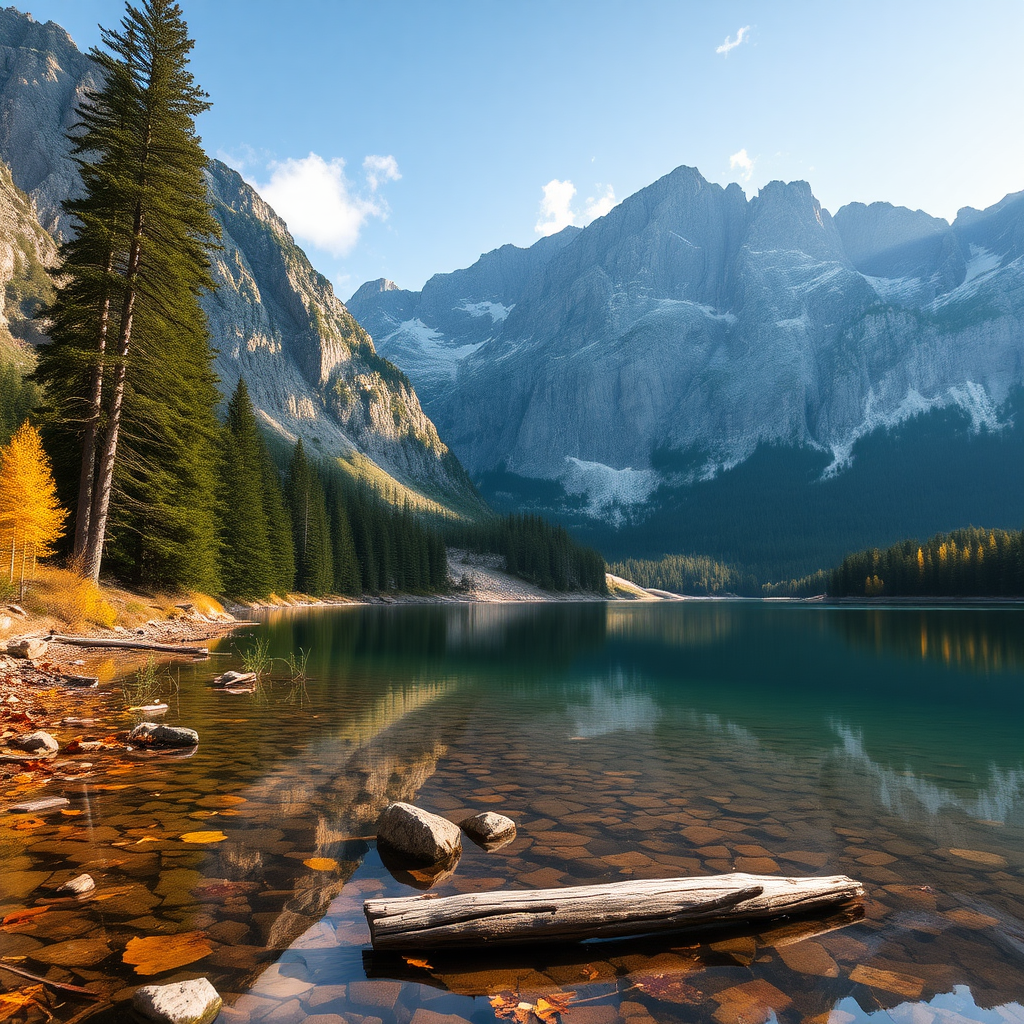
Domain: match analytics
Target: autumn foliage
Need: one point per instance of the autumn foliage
(31, 518)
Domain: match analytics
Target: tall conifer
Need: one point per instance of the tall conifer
(314, 565)
(129, 369)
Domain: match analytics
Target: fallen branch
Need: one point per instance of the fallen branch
(596, 911)
(133, 645)
(75, 990)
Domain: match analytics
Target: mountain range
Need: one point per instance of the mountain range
(311, 369)
(699, 371)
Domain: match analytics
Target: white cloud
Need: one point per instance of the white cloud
(743, 162)
(599, 206)
(556, 207)
(730, 43)
(318, 203)
(556, 210)
(380, 169)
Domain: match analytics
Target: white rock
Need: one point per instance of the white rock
(489, 828)
(182, 1002)
(27, 648)
(39, 741)
(418, 834)
(78, 886)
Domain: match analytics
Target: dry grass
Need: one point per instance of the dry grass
(69, 598)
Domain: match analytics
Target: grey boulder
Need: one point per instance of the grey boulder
(146, 734)
(31, 649)
(36, 742)
(78, 886)
(182, 1002)
(418, 835)
(489, 829)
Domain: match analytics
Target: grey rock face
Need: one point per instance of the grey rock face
(418, 835)
(694, 322)
(36, 742)
(147, 734)
(181, 1002)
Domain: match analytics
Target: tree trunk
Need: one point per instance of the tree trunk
(104, 483)
(87, 475)
(596, 911)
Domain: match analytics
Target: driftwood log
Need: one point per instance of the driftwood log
(503, 917)
(133, 645)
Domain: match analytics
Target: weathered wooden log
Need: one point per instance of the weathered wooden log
(582, 912)
(133, 645)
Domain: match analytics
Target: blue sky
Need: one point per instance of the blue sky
(401, 138)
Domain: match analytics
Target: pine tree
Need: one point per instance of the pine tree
(346, 565)
(314, 564)
(31, 519)
(280, 539)
(128, 370)
(247, 569)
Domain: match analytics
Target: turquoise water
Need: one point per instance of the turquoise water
(627, 741)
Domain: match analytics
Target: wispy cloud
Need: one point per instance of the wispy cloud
(742, 162)
(732, 42)
(380, 169)
(556, 210)
(319, 203)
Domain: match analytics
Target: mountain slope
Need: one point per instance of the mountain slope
(311, 369)
(667, 342)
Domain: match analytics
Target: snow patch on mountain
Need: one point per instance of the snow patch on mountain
(415, 345)
(609, 492)
(972, 398)
(495, 310)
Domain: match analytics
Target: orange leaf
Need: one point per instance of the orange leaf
(320, 863)
(12, 1002)
(158, 953)
(203, 837)
(70, 812)
(418, 963)
(20, 916)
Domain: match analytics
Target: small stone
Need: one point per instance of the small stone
(146, 734)
(46, 803)
(82, 682)
(490, 830)
(417, 834)
(36, 742)
(16, 609)
(78, 886)
(28, 648)
(234, 678)
(991, 860)
(5, 621)
(182, 1002)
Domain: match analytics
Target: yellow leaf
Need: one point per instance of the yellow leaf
(158, 953)
(12, 1002)
(70, 812)
(21, 916)
(418, 963)
(203, 837)
(321, 863)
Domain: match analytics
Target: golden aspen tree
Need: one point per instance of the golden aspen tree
(31, 518)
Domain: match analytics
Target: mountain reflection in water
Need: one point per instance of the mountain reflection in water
(627, 741)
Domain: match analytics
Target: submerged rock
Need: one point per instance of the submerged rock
(78, 886)
(182, 1002)
(36, 742)
(146, 734)
(418, 835)
(489, 829)
(46, 803)
(232, 678)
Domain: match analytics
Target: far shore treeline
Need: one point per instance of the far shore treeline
(162, 494)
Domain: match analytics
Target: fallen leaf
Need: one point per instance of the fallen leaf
(670, 989)
(156, 839)
(550, 1006)
(27, 824)
(203, 837)
(412, 962)
(70, 812)
(158, 953)
(20, 916)
(12, 1002)
(320, 863)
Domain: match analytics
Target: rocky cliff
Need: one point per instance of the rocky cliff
(668, 341)
(312, 371)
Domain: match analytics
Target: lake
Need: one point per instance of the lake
(626, 741)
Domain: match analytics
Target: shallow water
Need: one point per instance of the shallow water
(627, 741)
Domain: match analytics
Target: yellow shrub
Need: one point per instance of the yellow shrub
(72, 598)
